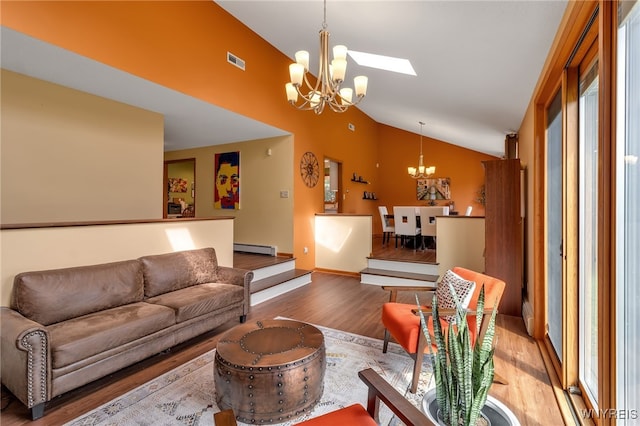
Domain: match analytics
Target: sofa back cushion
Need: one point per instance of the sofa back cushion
(48, 297)
(172, 271)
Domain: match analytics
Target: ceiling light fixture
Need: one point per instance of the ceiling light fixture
(421, 172)
(327, 90)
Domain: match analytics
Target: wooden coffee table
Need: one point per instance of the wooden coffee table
(269, 371)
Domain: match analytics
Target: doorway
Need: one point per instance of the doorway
(332, 186)
(180, 188)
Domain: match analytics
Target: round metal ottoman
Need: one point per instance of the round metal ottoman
(269, 371)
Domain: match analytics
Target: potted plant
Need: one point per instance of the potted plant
(463, 372)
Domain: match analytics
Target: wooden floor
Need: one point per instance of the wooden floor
(331, 300)
(390, 251)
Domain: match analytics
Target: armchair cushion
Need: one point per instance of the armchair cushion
(352, 415)
(464, 289)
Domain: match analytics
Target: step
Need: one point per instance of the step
(275, 269)
(275, 285)
(404, 266)
(397, 278)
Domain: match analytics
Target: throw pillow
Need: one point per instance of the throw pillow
(464, 289)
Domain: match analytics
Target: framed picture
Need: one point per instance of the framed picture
(434, 189)
(227, 181)
(177, 185)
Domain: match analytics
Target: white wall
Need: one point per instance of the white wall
(35, 249)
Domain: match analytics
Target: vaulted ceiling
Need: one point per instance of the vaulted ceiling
(477, 64)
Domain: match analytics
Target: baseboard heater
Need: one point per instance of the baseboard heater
(255, 248)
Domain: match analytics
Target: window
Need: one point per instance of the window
(628, 214)
(588, 233)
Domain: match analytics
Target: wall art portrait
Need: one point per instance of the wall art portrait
(227, 185)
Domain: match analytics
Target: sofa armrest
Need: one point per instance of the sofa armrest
(25, 362)
(237, 276)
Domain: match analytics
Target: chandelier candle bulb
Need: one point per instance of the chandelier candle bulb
(339, 69)
(296, 71)
(347, 95)
(292, 93)
(360, 83)
(314, 98)
(340, 52)
(302, 58)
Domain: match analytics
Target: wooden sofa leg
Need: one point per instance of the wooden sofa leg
(37, 411)
(243, 318)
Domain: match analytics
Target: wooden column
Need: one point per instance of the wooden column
(504, 229)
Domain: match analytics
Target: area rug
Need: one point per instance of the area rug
(186, 395)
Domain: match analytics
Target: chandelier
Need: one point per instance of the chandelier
(327, 90)
(421, 172)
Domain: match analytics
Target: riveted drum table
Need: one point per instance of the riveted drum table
(269, 371)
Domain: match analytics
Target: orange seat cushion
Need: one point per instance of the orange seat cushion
(404, 325)
(354, 415)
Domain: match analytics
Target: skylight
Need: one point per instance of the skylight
(386, 63)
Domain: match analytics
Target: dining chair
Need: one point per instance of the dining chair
(189, 211)
(406, 226)
(428, 219)
(355, 414)
(387, 228)
(402, 321)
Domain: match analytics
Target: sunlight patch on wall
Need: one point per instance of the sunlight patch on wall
(180, 239)
(332, 236)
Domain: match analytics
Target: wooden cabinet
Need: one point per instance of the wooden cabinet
(504, 230)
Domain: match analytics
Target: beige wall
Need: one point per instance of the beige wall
(343, 242)
(71, 156)
(264, 217)
(36, 249)
(460, 243)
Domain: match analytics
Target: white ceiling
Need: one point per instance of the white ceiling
(477, 63)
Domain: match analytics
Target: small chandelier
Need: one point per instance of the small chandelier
(421, 172)
(327, 91)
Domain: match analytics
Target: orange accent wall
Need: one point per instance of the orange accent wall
(182, 45)
(398, 149)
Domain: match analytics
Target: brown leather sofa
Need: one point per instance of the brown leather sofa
(68, 327)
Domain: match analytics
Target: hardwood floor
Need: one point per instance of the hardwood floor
(331, 300)
(389, 251)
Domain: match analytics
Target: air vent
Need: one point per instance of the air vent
(234, 60)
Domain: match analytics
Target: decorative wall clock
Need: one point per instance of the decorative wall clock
(309, 169)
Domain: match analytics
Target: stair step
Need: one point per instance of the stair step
(274, 286)
(400, 274)
(404, 266)
(385, 277)
(276, 279)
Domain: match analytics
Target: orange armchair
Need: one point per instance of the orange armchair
(402, 322)
(356, 415)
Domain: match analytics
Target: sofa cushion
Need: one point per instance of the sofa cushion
(201, 299)
(80, 338)
(48, 297)
(173, 271)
